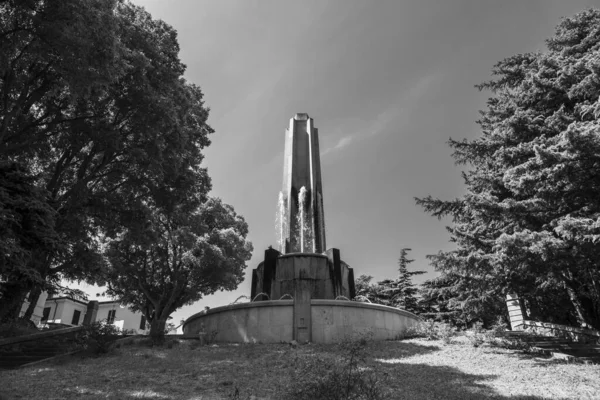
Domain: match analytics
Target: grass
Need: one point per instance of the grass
(415, 369)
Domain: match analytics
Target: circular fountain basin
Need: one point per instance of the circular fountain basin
(273, 321)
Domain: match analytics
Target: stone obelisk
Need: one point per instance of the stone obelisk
(303, 219)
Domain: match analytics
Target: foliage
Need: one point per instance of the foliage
(340, 378)
(26, 227)
(173, 258)
(438, 299)
(365, 290)
(98, 337)
(529, 222)
(96, 109)
(401, 292)
(477, 336)
(16, 328)
(433, 330)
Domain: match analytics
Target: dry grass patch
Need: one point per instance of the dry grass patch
(414, 369)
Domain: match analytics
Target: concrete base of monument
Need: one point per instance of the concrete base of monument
(272, 321)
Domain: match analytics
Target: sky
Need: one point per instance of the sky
(387, 84)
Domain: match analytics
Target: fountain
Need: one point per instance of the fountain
(316, 281)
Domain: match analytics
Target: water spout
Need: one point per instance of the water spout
(281, 222)
(301, 209)
(261, 294)
(363, 297)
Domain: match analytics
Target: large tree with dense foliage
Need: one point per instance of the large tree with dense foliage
(95, 108)
(26, 223)
(174, 257)
(530, 220)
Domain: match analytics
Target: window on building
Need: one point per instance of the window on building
(143, 323)
(76, 315)
(111, 316)
(46, 313)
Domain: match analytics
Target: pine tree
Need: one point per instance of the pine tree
(401, 292)
(530, 220)
(365, 290)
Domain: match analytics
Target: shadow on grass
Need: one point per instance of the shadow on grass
(417, 381)
(541, 358)
(399, 349)
(424, 381)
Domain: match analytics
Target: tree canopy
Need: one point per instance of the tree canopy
(173, 258)
(100, 126)
(401, 292)
(529, 222)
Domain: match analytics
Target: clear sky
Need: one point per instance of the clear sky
(387, 83)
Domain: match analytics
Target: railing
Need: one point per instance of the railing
(38, 336)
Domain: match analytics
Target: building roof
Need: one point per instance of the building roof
(67, 298)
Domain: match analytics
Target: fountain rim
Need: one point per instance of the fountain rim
(313, 302)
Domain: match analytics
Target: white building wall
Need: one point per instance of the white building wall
(124, 317)
(62, 310)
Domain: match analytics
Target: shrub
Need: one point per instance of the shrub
(98, 337)
(17, 328)
(433, 330)
(477, 335)
(342, 376)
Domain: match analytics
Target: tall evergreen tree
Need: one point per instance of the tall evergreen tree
(401, 292)
(530, 220)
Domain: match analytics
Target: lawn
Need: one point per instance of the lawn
(415, 369)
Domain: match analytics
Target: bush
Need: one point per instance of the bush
(342, 376)
(477, 336)
(98, 337)
(433, 330)
(17, 328)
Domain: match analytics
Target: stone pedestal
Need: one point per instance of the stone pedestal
(325, 276)
(302, 314)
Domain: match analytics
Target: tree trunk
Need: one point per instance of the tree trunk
(12, 300)
(157, 330)
(34, 296)
(582, 318)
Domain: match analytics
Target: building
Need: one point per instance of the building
(73, 312)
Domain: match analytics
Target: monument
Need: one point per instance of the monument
(300, 210)
(302, 263)
(301, 291)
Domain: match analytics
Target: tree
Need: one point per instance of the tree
(26, 223)
(51, 53)
(173, 258)
(367, 290)
(401, 292)
(96, 107)
(530, 220)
